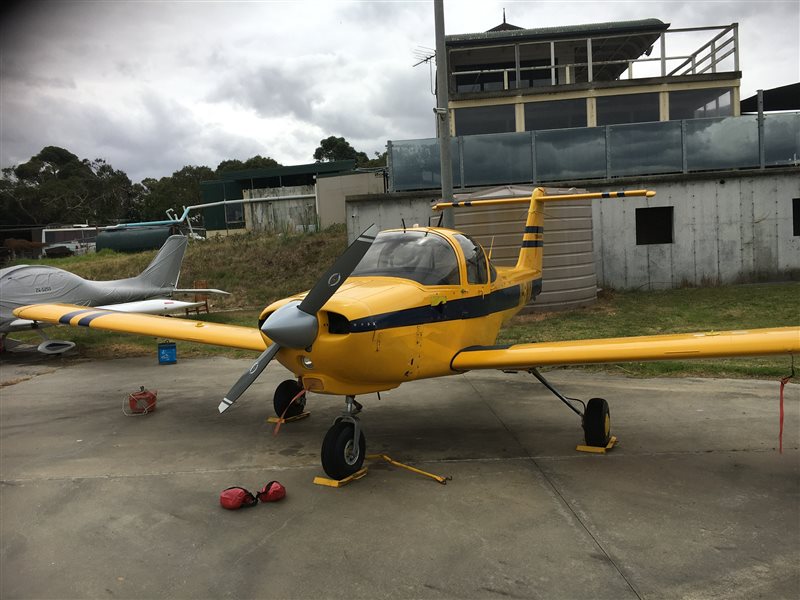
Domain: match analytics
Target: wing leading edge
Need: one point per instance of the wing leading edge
(753, 342)
(233, 336)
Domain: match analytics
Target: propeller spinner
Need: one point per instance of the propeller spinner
(295, 325)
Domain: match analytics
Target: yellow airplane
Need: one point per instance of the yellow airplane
(409, 304)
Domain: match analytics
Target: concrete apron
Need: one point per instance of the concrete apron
(695, 502)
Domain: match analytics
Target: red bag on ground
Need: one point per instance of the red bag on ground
(272, 492)
(237, 497)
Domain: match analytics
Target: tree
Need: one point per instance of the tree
(180, 189)
(338, 148)
(378, 161)
(55, 186)
(255, 162)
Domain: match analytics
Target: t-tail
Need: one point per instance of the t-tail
(530, 253)
(165, 269)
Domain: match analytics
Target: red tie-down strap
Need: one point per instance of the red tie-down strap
(784, 381)
(278, 424)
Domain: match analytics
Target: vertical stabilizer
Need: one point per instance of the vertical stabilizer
(530, 253)
(163, 272)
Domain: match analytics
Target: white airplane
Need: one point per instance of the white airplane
(149, 292)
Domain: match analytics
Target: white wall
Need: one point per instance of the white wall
(726, 230)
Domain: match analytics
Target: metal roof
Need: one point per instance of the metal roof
(335, 166)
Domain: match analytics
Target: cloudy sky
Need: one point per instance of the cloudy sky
(153, 85)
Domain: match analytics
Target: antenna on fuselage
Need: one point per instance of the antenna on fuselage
(441, 216)
(403, 221)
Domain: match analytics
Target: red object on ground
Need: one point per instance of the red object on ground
(236, 497)
(143, 401)
(272, 492)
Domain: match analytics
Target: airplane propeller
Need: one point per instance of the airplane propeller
(295, 325)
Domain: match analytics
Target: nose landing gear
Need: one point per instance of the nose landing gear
(344, 446)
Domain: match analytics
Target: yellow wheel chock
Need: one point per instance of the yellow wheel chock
(363, 471)
(599, 449)
(302, 415)
(341, 482)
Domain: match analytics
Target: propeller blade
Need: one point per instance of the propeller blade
(334, 277)
(248, 377)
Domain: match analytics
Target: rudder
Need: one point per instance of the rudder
(165, 268)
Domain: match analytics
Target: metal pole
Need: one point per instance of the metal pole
(443, 113)
(761, 147)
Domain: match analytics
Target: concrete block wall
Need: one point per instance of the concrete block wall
(731, 228)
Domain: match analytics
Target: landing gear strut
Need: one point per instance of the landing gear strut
(596, 418)
(344, 446)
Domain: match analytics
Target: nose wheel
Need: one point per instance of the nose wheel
(344, 446)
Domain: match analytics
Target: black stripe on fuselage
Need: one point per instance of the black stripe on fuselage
(532, 244)
(534, 229)
(452, 310)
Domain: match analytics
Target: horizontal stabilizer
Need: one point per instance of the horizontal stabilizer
(155, 306)
(201, 291)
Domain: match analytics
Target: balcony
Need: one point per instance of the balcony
(529, 60)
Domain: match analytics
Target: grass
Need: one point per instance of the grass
(621, 314)
(258, 269)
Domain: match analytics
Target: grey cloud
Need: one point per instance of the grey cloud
(270, 91)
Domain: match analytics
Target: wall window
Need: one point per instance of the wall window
(795, 216)
(630, 108)
(234, 215)
(560, 114)
(654, 225)
(698, 104)
(485, 119)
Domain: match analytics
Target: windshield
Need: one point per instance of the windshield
(425, 258)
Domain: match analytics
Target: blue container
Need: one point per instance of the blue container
(167, 353)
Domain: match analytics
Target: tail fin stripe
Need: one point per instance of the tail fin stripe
(533, 244)
(534, 229)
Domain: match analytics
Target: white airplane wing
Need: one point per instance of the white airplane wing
(157, 306)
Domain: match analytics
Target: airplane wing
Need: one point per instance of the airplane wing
(234, 336)
(754, 342)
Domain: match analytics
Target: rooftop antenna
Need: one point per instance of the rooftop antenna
(423, 54)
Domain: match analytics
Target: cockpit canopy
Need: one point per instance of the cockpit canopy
(422, 256)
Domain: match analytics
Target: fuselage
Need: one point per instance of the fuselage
(393, 321)
(24, 285)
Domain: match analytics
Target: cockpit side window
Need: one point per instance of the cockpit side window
(417, 255)
(476, 259)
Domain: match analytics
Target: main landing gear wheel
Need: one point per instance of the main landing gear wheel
(340, 456)
(597, 423)
(283, 396)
